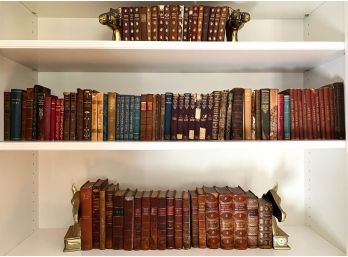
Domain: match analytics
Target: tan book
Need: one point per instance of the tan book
(111, 116)
(100, 107)
(273, 108)
(94, 134)
(247, 114)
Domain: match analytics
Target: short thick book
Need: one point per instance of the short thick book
(212, 217)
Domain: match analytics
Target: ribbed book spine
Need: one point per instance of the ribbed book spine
(168, 115)
(187, 98)
(212, 218)
(185, 25)
(265, 115)
(237, 114)
(54, 100)
(120, 117)
(137, 220)
(67, 105)
(29, 117)
(7, 116)
(180, 128)
(57, 115)
(94, 135)
(143, 117)
(136, 118)
(61, 122)
(79, 115)
(191, 121)
(131, 118)
(206, 16)
(145, 221)
(287, 120)
(105, 117)
(86, 215)
(253, 221)
(202, 237)
(273, 113)
(229, 116)
(16, 115)
(161, 23)
(109, 194)
(118, 220)
(149, 117)
(210, 115)
(154, 220)
(186, 228)
(126, 120)
(216, 113)
(72, 130)
(226, 218)
(197, 116)
(47, 109)
(265, 238)
(102, 218)
(203, 119)
(125, 24)
(194, 219)
(166, 23)
(240, 212)
(174, 120)
(128, 232)
(162, 116)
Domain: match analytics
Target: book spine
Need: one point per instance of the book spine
(128, 233)
(170, 222)
(7, 116)
(137, 26)
(304, 114)
(237, 114)
(53, 118)
(120, 117)
(202, 236)
(145, 223)
(197, 116)
(222, 115)
(200, 22)
(258, 129)
(35, 114)
(180, 22)
(87, 114)
(194, 27)
(61, 122)
(309, 114)
(96, 218)
(102, 220)
(131, 118)
(300, 113)
(317, 111)
(203, 118)
(157, 117)
(118, 112)
(162, 223)
(79, 115)
(16, 115)
(166, 23)
(143, 117)
(186, 23)
(125, 24)
(212, 221)
(137, 223)
(24, 114)
(226, 221)
(180, 128)
(265, 114)
(86, 218)
(216, 23)
(111, 116)
(72, 130)
(149, 117)
(322, 113)
(29, 115)
(205, 26)
(100, 116)
(178, 234)
(332, 113)
(57, 125)
(66, 116)
(40, 116)
(296, 114)
(154, 23)
(190, 20)
(174, 118)
(162, 115)
(247, 114)
(126, 118)
(117, 222)
(143, 23)
(340, 131)
(108, 218)
(186, 229)
(194, 222)
(253, 222)
(265, 238)
(229, 116)
(222, 24)
(161, 27)
(105, 117)
(187, 98)
(211, 24)
(293, 135)
(281, 103)
(312, 93)
(136, 118)
(148, 23)
(327, 113)
(192, 119)
(94, 135)
(173, 33)
(210, 115)
(131, 23)
(273, 113)
(240, 216)
(153, 223)
(47, 110)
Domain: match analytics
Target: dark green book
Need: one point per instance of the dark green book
(136, 118)
(126, 103)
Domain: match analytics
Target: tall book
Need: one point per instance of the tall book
(197, 115)
(180, 22)
(168, 115)
(137, 220)
(253, 115)
(86, 215)
(194, 218)
(190, 20)
(61, 121)
(54, 100)
(149, 117)
(299, 117)
(105, 117)
(57, 119)
(79, 115)
(178, 235)
(229, 116)
(216, 114)
(322, 113)
(237, 114)
(72, 129)
(162, 116)
(203, 118)
(143, 23)
(153, 220)
(280, 117)
(137, 27)
(143, 117)
(128, 230)
(185, 36)
(166, 23)
(247, 114)
(202, 237)
(131, 23)
(67, 105)
(118, 219)
(109, 194)
(47, 115)
(125, 24)
(154, 23)
(210, 115)
(265, 237)
(162, 221)
(174, 17)
(212, 217)
(222, 115)
(222, 23)
(111, 116)
(258, 129)
(100, 115)
(24, 114)
(338, 89)
(174, 120)
(211, 23)
(170, 219)
(305, 104)
(216, 23)
(181, 113)
(194, 24)
(157, 113)
(253, 219)
(226, 218)
(94, 135)
(136, 118)
(87, 114)
(28, 135)
(145, 220)
(315, 113)
(265, 114)
(287, 119)
(206, 16)
(186, 221)
(273, 113)
(148, 23)
(102, 216)
(126, 117)
(7, 116)
(187, 99)
(16, 115)
(200, 22)
(38, 111)
(119, 117)
(161, 27)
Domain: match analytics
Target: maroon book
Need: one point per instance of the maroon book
(280, 117)
(47, 115)
(109, 204)
(170, 219)
(117, 219)
(178, 220)
(186, 220)
(128, 229)
(137, 220)
(145, 221)
(162, 221)
(53, 118)
(57, 126)
(194, 218)
(153, 220)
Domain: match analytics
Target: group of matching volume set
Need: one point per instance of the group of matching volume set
(237, 114)
(212, 217)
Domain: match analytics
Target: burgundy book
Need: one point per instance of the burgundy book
(322, 113)
(304, 114)
(226, 218)
(54, 100)
(153, 220)
(265, 237)
(170, 219)
(145, 220)
(328, 112)
(300, 113)
(162, 221)
(57, 115)
(237, 114)
(253, 219)
(102, 216)
(86, 215)
(216, 114)
(178, 220)
(180, 127)
(28, 135)
(79, 115)
(202, 237)
(72, 130)
(315, 113)
(194, 218)
(143, 117)
(309, 114)
(47, 111)
(174, 125)
(137, 220)
(280, 117)
(128, 226)
(186, 221)
(117, 219)
(66, 116)
(40, 122)
(212, 217)
(109, 194)
(61, 122)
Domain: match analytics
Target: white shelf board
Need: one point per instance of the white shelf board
(303, 241)
(179, 57)
(168, 145)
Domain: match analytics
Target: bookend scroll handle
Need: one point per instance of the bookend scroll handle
(236, 20)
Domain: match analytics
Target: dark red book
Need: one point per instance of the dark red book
(117, 219)
(47, 111)
(212, 217)
(72, 129)
(332, 113)
(280, 117)
(327, 110)
(174, 125)
(145, 220)
(153, 220)
(66, 132)
(53, 118)
(186, 230)
(315, 113)
(320, 92)
(178, 220)
(109, 204)
(137, 220)
(162, 221)
(170, 219)
(61, 122)
(265, 237)
(194, 218)
(300, 113)
(309, 115)
(201, 218)
(304, 114)
(79, 115)
(86, 215)
(57, 126)
(128, 229)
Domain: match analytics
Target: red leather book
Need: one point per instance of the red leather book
(61, 122)
(57, 126)
(216, 23)
(304, 114)
(143, 108)
(181, 113)
(194, 218)
(149, 117)
(178, 219)
(109, 204)
(280, 117)
(47, 111)
(72, 129)
(191, 123)
(145, 221)
(137, 220)
(265, 237)
(300, 113)
(212, 217)
(66, 116)
(125, 24)
(153, 220)
(102, 216)
(202, 236)
(128, 230)
(24, 114)
(79, 115)
(322, 113)
(7, 115)
(315, 113)
(309, 113)
(240, 217)
(29, 115)
(186, 221)
(170, 219)
(332, 113)
(117, 219)
(174, 125)
(226, 218)
(162, 221)
(86, 215)
(53, 118)
(327, 110)
(253, 219)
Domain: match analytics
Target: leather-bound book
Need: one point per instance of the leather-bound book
(265, 237)
(131, 117)
(94, 135)
(253, 115)
(197, 115)
(136, 118)
(228, 125)
(226, 218)
(109, 204)
(7, 115)
(180, 22)
(191, 118)
(300, 113)
(61, 122)
(187, 98)
(194, 27)
(166, 23)
(327, 115)
(291, 96)
(143, 23)
(28, 134)
(222, 23)
(194, 218)
(273, 113)
(178, 235)
(168, 115)
(137, 26)
(53, 118)
(258, 129)
(72, 130)
(265, 114)
(154, 22)
(161, 23)
(148, 23)
(128, 230)
(181, 113)
(86, 215)
(125, 24)
(216, 114)
(145, 220)
(24, 113)
(87, 114)
(222, 115)
(38, 109)
(126, 106)
(162, 116)
(120, 122)
(79, 115)
(102, 216)
(211, 23)
(253, 219)
(190, 20)
(118, 219)
(203, 118)
(205, 26)
(186, 220)
(174, 118)
(157, 119)
(143, 117)
(308, 109)
(212, 217)
(340, 130)
(111, 116)
(315, 113)
(304, 114)
(320, 92)
(137, 220)
(247, 113)
(16, 115)
(202, 236)
(47, 115)
(100, 115)
(281, 117)
(149, 117)
(200, 22)
(170, 219)
(57, 115)
(131, 23)
(237, 114)
(185, 36)
(67, 105)
(96, 211)
(153, 220)
(174, 17)
(332, 113)
(162, 221)
(240, 217)
(210, 115)
(287, 119)
(216, 23)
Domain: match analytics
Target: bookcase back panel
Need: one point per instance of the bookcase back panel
(252, 169)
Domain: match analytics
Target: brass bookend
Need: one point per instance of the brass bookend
(113, 20)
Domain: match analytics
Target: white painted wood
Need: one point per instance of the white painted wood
(186, 57)
(303, 241)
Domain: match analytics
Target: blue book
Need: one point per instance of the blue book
(126, 103)
(118, 116)
(16, 115)
(105, 118)
(286, 117)
(168, 115)
(131, 119)
(136, 118)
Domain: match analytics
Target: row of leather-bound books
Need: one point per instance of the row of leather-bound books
(212, 217)
(174, 23)
(237, 114)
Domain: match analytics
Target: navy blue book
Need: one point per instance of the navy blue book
(136, 118)
(126, 103)
(16, 115)
(105, 118)
(168, 116)
(131, 118)
(118, 117)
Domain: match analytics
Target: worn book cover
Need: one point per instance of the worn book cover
(212, 217)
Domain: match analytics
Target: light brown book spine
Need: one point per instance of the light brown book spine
(149, 117)
(111, 116)
(247, 114)
(222, 115)
(100, 111)
(102, 213)
(94, 117)
(186, 228)
(253, 220)
(86, 216)
(202, 237)
(273, 112)
(226, 218)
(212, 217)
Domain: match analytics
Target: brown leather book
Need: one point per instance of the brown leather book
(87, 114)
(273, 113)
(131, 23)
(118, 220)
(205, 26)
(28, 135)
(265, 115)
(322, 113)
(112, 116)
(166, 23)
(86, 215)
(180, 22)
(194, 218)
(253, 219)
(216, 23)
(170, 219)
(102, 216)
(197, 115)
(265, 237)
(148, 23)
(240, 217)
(125, 24)
(109, 194)
(304, 114)
(174, 17)
(128, 229)
(293, 108)
(332, 113)
(300, 113)
(94, 136)
(212, 217)
(143, 117)
(96, 211)
(216, 113)
(7, 115)
(315, 121)
(200, 22)
(72, 130)
(228, 125)
(190, 20)
(137, 25)
(203, 118)
(149, 117)
(145, 220)
(222, 115)
(247, 113)
(174, 125)
(162, 115)
(253, 115)
(237, 114)
(180, 126)
(143, 23)
(156, 112)
(226, 218)
(338, 90)
(66, 116)
(47, 114)
(100, 115)
(185, 36)
(202, 236)
(211, 23)
(79, 115)
(161, 23)
(137, 220)
(194, 27)
(258, 129)
(154, 23)
(327, 110)
(54, 100)
(210, 115)
(187, 98)
(192, 119)
(24, 114)
(186, 221)
(153, 220)
(222, 23)
(308, 110)
(162, 221)
(178, 235)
